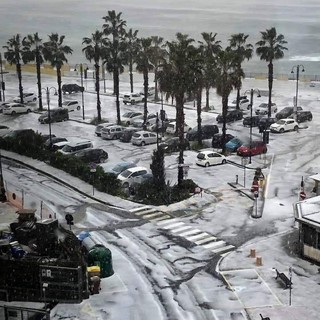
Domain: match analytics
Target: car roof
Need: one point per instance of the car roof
(208, 152)
(134, 169)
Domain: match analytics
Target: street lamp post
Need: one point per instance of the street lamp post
(252, 91)
(2, 82)
(290, 285)
(47, 90)
(297, 67)
(81, 81)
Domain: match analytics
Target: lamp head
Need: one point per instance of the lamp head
(75, 69)
(302, 69)
(259, 95)
(292, 71)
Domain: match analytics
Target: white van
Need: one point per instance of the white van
(76, 146)
(172, 126)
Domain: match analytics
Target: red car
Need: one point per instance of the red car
(257, 147)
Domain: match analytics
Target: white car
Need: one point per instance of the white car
(142, 138)
(132, 98)
(171, 128)
(244, 104)
(27, 98)
(71, 105)
(209, 158)
(284, 125)
(126, 177)
(15, 108)
(263, 108)
(100, 126)
(151, 91)
(129, 117)
(151, 119)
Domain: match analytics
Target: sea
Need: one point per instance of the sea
(297, 20)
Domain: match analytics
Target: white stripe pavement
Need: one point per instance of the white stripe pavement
(165, 222)
(181, 229)
(146, 212)
(187, 233)
(153, 215)
(166, 217)
(139, 209)
(223, 249)
(205, 240)
(172, 226)
(214, 244)
(198, 236)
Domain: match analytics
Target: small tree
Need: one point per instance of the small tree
(158, 170)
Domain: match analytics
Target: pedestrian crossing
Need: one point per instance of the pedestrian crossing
(180, 229)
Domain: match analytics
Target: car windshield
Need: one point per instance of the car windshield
(127, 114)
(281, 122)
(126, 173)
(201, 156)
(67, 148)
(234, 140)
(263, 105)
(65, 103)
(118, 167)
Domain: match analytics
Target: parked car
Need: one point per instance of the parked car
(244, 104)
(93, 155)
(151, 119)
(151, 91)
(71, 88)
(48, 144)
(231, 116)
(209, 158)
(19, 133)
(233, 144)
(100, 126)
(284, 125)
(118, 168)
(132, 98)
(263, 109)
(27, 98)
(56, 115)
(75, 146)
(286, 112)
(59, 145)
(45, 137)
(251, 149)
(302, 116)
(128, 117)
(172, 126)
(127, 134)
(172, 145)
(142, 138)
(16, 108)
(126, 177)
(139, 180)
(265, 123)
(208, 131)
(160, 127)
(251, 121)
(217, 140)
(3, 104)
(111, 132)
(71, 105)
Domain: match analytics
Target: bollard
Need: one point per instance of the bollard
(258, 261)
(252, 253)
(237, 178)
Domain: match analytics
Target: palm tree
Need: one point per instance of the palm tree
(243, 51)
(210, 47)
(13, 56)
(95, 50)
(131, 52)
(158, 54)
(269, 48)
(176, 79)
(227, 79)
(55, 52)
(144, 66)
(116, 46)
(32, 51)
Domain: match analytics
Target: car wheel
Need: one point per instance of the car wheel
(13, 113)
(133, 102)
(126, 185)
(28, 110)
(78, 107)
(296, 128)
(310, 118)
(34, 99)
(207, 164)
(224, 161)
(275, 110)
(143, 143)
(281, 130)
(102, 160)
(128, 123)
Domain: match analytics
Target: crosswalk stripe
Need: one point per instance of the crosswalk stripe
(147, 211)
(139, 209)
(163, 218)
(205, 240)
(180, 229)
(165, 222)
(198, 236)
(152, 215)
(172, 226)
(214, 244)
(223, 249)
(187, 233)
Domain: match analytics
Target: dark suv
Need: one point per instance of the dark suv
(71, 88)
(172, 145)
(56, 115)
(265, 123)
(303, 116)
(231, 116)
(208, 131)
(217, 140)
(251, 121)
(92, 155)
(286, 112)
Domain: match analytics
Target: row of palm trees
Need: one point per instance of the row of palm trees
(181, 67)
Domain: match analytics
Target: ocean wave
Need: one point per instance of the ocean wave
(305, 58)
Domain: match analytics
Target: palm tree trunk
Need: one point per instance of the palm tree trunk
(207, 98)
(116, 83)
(19, 73)
(97, 68)
(199, 120)
(270, 82)
(224, 119)
(38, 67)
(145, 103)
(59, 87)
(131, 75)
(180, 131)
(156, 94)
(238, 98)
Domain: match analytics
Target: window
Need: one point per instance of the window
(309, 236)
(146, 135)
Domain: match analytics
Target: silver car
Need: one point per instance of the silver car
(142, 138)
(112, 132)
